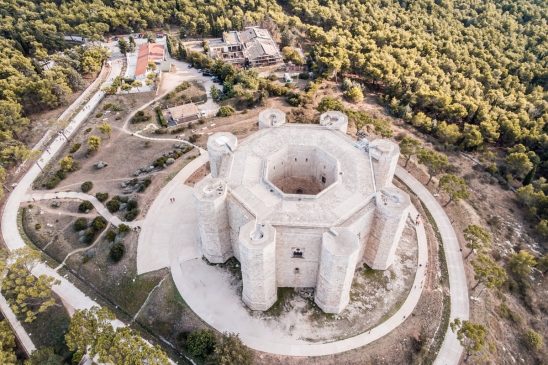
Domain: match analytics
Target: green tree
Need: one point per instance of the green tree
(449, 134)
(26, 294)
(7, 344)
(44, 356)
(519, 164)
(477, 238)
(521, 263)
(409, 147)
(67, 163)
(472, 336)
(93, 143)
(201, 343)
(487, 271)
(328, 103)
(434, 161)
(225, 111)
(454, 186)
(123, 45)
(472, 137)
(354, 94)
(231, 351)
(91, 331)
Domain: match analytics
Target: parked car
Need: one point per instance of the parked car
(190, 66)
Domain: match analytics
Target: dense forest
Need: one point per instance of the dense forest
(471, 73)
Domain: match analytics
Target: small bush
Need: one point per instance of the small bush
(86, 186)
(52, 182)
(99, 223)
(113, 205)
(132, 204)
(88, 130)
(89, 236)
(123, 228)
(200, 343)
(37, 226)
(117, 251)
(80, 224)
(110, 235)
(101, 196)
(75, 147)
(85, 206)
(61, 174)
(132, 214)
(140, 117)
(534, 340)
(98, 115)
(193, 138)
(225, 111)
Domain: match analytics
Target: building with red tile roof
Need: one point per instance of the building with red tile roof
(148, 52)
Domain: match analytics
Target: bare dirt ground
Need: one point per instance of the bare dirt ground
(374, 296)
(124, 154)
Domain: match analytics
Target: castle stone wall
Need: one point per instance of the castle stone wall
(392, 210)
(258, 262)
(339, 256)
(211, 206)
(385, 154)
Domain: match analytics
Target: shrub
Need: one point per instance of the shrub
(61, 174)
(99, 223)
(534, 340)
(67, 163)
(52, 182)
(85, 206)
(88, 237)
(140, 117)
(86, 186)
(132, 214)
(75, 147)
(193, 138)
(80, 224)
(231, 350)
(117, 251)
(225, 111)
(200, 343)
(101, 196)
(37, 226)
(328, 103)
(132, 204)
(113, 205)
(110, 235)
(123, 228)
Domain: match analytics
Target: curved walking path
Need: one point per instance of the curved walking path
(169, 239)
(75, 195)
(70, 295)
(451, 350)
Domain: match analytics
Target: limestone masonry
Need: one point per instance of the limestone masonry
(300, 206)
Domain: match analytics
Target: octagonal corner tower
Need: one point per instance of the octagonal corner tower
(316, 196)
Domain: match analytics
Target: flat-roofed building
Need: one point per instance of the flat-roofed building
(183, 113)
(253, 46)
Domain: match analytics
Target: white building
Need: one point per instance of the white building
(300, 206)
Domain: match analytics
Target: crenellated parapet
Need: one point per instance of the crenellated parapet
(257, 243)
(334, 119)
(271, 117)
(391, 212)
(211, 207)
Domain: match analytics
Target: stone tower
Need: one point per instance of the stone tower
(210, 195)
(271, 117)
(219, 145)
(257, 244)
(339, 256)
(386, 153)
(334, 120)
(392, 209)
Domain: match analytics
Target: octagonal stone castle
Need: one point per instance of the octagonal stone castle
(300, 205)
